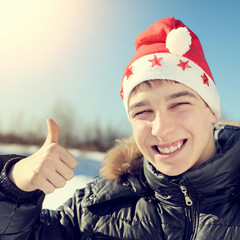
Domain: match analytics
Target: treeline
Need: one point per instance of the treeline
(94, 139)
(74, 133)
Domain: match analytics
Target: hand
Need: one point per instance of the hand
(47, 169)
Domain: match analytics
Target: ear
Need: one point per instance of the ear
(213, 117)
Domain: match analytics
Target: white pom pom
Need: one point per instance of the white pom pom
(178, 41)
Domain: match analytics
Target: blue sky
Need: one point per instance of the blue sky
(75, 51)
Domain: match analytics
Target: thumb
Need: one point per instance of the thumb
(53, 132)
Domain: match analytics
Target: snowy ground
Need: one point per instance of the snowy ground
(87, 168)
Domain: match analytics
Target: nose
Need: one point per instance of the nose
(162, 126)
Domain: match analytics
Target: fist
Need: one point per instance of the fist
(47, 169)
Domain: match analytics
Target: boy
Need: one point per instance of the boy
(179, 181)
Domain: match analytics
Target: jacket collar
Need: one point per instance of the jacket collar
(104, 190)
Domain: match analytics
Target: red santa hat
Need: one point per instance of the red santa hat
(170, 50)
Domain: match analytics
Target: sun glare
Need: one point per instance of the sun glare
(33, 32)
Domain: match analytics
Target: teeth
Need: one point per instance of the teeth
(170, 149)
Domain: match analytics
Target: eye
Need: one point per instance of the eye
(141, 113)
(179, 104)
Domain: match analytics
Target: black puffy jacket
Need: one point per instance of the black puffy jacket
(139, 203)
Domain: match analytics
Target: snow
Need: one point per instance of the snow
(87, 168)
(61, 195)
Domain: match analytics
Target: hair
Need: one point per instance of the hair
(150, 84)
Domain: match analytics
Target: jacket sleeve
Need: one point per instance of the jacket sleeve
(22, 216)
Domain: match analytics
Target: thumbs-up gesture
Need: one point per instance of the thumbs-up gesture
(47, 169)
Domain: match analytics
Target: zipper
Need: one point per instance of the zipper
(188, 200)
(189, 212)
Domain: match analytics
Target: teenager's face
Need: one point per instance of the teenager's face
(172, 126)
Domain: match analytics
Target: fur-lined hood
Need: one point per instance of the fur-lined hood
(125, 157)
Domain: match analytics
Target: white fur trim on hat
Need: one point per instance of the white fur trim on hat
(170, 69)
(178, 41)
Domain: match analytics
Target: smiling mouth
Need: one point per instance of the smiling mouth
(165, 150)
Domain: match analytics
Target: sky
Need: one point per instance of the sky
(72, 54)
